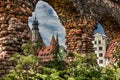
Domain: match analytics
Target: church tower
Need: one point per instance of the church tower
(53, 41)
(57, 40)
(57, 43)
(36, 37)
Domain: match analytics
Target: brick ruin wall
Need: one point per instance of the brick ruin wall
(105, 12)
(79, 18)
(14, 30)
(77, 37)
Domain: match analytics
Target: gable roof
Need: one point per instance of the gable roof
(45, 50)
(53, 41)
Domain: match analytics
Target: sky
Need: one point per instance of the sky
(99, 29)
(49, 23)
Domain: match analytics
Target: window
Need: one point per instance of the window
(100, 48)
(95, 48)
(42, 49)
(48, 49)
(2, 55)
(100, 61)
(99, 42)
(100, 54)
(95, 42)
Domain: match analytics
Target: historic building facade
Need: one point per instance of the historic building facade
(83, 14)
(47, 53)
(100, 46)
(36, 37)
(105, 50)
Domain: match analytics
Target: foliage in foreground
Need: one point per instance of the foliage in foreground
(80, 68)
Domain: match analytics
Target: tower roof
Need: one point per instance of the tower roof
(40, 38)
(57, 40)
(53, 42)
(35, 24)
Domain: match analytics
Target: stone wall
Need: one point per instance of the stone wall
(5, 65)
(70, 11)
(79, 17)
(77, 38)
(14, 29)
(113, 46)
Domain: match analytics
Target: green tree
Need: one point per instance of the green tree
(31, 48)
(79, 68)
(26, 67)
(62, 54)
(116, 57)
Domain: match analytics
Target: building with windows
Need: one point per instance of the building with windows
(46, 53)
(100, 46)
(36, 37)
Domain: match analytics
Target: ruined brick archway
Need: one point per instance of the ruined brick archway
(79, 18)
(14, 29)
(111, 26)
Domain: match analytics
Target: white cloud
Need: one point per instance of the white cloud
(48, 22)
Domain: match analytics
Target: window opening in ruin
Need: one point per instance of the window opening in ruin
(49, 23)
(99, 29)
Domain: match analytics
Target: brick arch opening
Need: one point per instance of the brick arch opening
(80, 18)
(111, 26)
(48, 22)
(112, 29)
(14, 29)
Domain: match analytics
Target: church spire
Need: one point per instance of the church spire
(57, 40)
(35, 18)
(36, 37)
(53, 42)
(35, 24)
(57, 43)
